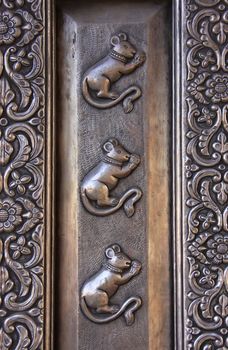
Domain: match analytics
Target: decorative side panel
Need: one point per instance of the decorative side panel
(201, 175)
(113, 284)
(25, 128)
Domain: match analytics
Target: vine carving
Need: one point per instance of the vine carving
(22, 132)
(206, 173)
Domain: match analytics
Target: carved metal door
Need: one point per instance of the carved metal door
(113, 174)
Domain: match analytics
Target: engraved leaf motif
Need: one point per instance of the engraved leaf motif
(19, 161)
(222, 145)
(5, 283)
(6, 93)
(34, 25)
(23, 154)
(207, 3)
(1, 250)
(25, 89)
(1, 63)
(24, 340)
(221, 190)
(221, 29)
(196, 88)
(222, 308)
(6, 149)
(18, 268)
(5, 341)
(11, 3)
(33, 216)
(36, 8)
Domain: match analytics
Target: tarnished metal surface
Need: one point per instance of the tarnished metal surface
(110, 53)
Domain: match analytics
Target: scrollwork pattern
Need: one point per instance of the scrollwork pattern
(206, 174)
(22, 157)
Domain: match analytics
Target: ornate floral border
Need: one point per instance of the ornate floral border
(202, 200)
(25, 174)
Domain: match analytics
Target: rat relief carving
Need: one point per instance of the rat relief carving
(98, 80)
(117, 270)
(117, 163)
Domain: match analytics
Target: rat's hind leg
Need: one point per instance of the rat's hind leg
(103, 199)
(99, 301)
(107, 309)
(105, 90)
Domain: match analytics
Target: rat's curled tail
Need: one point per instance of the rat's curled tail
(128, 199)
(129, 307)
(133, 91)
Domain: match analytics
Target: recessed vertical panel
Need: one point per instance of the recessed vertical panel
(103, 116)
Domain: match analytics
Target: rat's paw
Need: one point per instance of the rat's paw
(136, 267)
(140, 58)
(135, 159)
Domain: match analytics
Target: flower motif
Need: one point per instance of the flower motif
(218, 249)
(190, 167)
(207, 58)
(217, 88)
(19, 182)
(197, 87)
(10, 215)
(206, 117)
(207, 220)
(190, 330)
(5, 340)
(208, 278)
(190, 8)
(39, 121)
(38, 311)
(19, 248)
(19, 60)
(9, 27)
(198, 249)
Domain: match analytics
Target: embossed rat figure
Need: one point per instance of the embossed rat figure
(97, 184)
(100, 77)
(98, 289)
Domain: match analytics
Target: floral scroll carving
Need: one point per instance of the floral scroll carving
(22, 132)
(206, 170)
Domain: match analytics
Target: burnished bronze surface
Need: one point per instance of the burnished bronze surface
(90, 162)
(113, 142)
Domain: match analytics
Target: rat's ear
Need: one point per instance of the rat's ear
(116, 248)
(115, 40)
(114, 141)
(109, 252)
(108, 146)
(122, 36)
